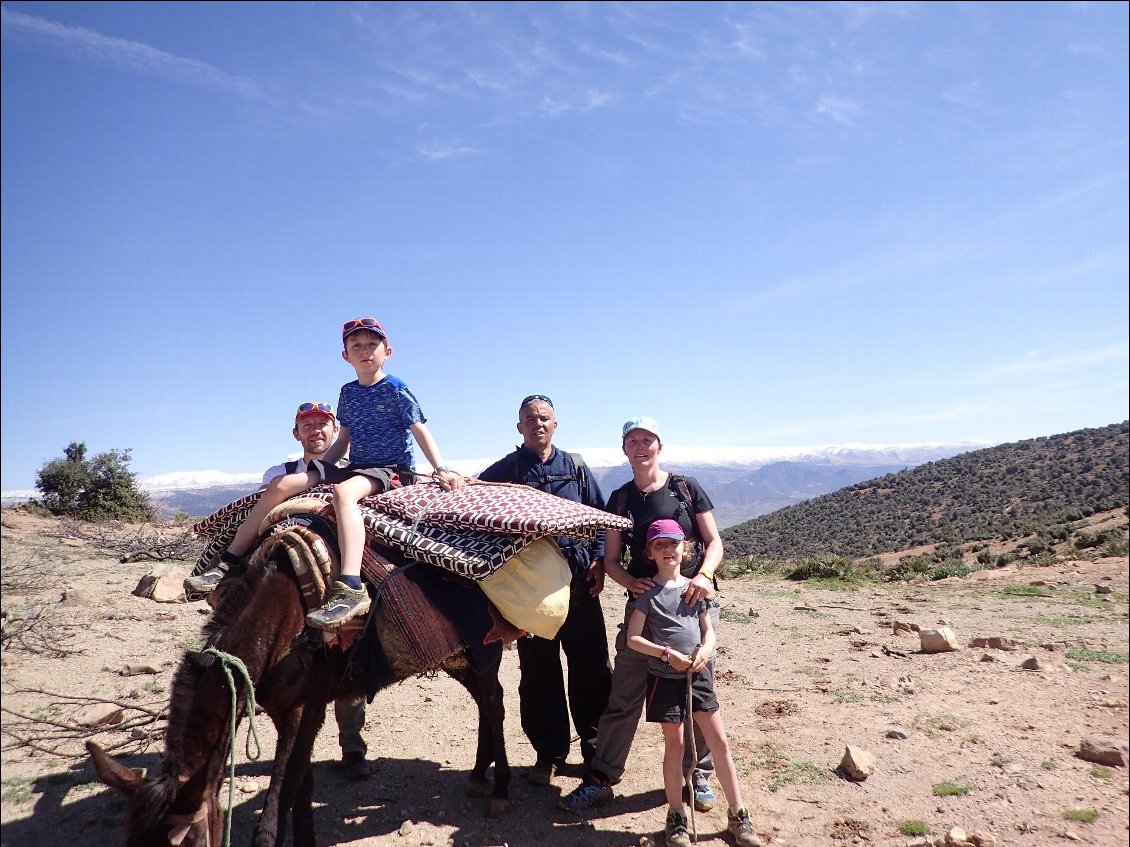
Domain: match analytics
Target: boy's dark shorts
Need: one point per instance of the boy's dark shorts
(667, 696)
(382, 476)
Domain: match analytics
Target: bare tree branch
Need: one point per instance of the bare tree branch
(47, 731)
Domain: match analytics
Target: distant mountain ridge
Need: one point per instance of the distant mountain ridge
(1005, 491)
(742, 483)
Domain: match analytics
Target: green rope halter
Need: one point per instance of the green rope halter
(227, 662)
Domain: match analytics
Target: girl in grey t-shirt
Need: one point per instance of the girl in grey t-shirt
(679, 640)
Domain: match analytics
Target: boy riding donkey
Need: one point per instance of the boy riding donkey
(379, 417)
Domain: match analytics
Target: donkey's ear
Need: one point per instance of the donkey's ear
(112, 772)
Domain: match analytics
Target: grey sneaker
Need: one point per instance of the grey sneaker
(676, 831)
(585, 796)
(740, 827)
(203, 583)
(342, 604)
(703, 794)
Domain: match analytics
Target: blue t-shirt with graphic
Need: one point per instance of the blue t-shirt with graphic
(378, 417)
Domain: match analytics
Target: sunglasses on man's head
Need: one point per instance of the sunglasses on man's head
(536, 398)
(316, 407)
(361, 323)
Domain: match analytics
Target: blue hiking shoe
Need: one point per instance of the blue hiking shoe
(586, 795)
(703, 794)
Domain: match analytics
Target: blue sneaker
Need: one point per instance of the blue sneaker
(585, 796)
(703, 794)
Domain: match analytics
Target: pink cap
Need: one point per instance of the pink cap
(665, 528)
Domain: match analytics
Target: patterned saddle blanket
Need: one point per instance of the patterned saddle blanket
(435, 619)
(471, 532)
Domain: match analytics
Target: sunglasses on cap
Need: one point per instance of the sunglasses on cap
(324, 408)
(362, 323)
(536, 398)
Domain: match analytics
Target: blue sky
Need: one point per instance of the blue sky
(763, 224)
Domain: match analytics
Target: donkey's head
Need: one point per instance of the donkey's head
(161, 811)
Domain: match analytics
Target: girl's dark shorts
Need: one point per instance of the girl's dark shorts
(667, 696)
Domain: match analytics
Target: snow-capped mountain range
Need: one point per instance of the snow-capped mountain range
(742, 482)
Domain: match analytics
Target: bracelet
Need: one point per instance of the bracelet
(443, 469)
(666, 657)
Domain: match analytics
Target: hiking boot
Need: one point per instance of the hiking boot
(543, 771)
(342, 604)
(586, 795)
(676, 830)
(203, 583)
(740, 827)
(703, 794)
(355, 766)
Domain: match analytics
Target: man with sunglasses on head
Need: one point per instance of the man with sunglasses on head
(541, 692)
(315, 428)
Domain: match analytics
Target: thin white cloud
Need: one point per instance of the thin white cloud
(1039, 362)
(83, 44)
(437, 152)
(616, 58)
(969, 94)
(746, 41)
(837, 109)
(594, 98)
(482, 79)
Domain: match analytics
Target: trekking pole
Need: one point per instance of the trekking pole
(688, 731)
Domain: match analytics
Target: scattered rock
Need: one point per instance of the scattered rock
(995, 643)
(940, 640)
(1036, 663)
(75, 597)
(163, 584)
(857, 763)
(1104, 589)
(406, 828)
(1104, 750)
(138, 670)
(100, 714)
(898, 733)
(901, 627)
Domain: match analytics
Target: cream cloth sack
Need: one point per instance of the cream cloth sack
(531, 589)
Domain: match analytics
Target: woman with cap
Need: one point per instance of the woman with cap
(652, 494)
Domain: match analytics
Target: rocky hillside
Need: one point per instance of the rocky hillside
(1038, 489)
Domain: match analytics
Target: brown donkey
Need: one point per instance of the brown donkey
(258, 619)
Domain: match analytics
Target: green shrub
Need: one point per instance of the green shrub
(1081, 815)
(950, 789)
(1108, 657)
(834, 568)
(914, 828)
(98, 489)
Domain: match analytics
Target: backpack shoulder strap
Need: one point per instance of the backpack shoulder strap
(620, 504)
(580, 473)
(683, 489)
(291, 467)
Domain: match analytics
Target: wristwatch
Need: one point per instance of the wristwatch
(666, 657)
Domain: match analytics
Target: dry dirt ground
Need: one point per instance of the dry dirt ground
(803, 673)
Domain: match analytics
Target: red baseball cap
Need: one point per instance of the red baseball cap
(305, 410)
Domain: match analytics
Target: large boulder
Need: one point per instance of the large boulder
(163, 584)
